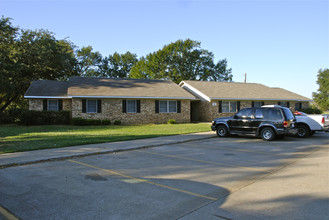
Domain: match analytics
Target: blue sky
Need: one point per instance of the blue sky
(278, 43)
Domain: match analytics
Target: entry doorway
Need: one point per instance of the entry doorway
(195, 111)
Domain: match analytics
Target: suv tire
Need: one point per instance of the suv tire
(221, 131)
(267, 134)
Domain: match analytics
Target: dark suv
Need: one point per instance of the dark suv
(265, 121)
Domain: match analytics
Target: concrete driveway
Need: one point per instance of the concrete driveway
(213, 178)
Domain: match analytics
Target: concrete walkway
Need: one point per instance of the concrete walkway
(29, 157)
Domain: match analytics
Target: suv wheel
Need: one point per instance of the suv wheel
(221, 131)
(303, 131)
(267, 134)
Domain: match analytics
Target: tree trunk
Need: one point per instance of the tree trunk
(7, 103)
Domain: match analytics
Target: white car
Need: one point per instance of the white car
(308, 124)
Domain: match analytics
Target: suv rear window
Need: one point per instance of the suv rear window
(289, 114)
(272, 114)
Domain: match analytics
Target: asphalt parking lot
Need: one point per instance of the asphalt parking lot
(214, 178)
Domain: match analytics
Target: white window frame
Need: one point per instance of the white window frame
(48, 104)
(230, 110)
(87, 106)
(135, 106)
(167, 106)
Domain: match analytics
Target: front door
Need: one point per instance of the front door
(243, 122)
(195, 111)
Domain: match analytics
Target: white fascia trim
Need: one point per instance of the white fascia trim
(194, 91)
(47, 97)
(252, 99)
(133, 97)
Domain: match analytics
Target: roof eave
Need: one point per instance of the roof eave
(132, 97)
(46, 97)
(108, 97)
(261, 99)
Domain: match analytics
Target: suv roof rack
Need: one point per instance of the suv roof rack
(271, 106)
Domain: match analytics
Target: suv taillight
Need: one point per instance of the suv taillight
(285, 124)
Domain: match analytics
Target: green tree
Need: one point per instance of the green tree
(118, 65)
(182, 60)
(90, 63)
(321, 98)
(30, 55)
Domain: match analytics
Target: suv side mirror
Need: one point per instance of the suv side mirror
(236, 117)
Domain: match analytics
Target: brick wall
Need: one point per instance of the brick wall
(35, 104)
(112, 110)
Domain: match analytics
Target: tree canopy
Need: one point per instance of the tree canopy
(89, 62)
(321, 98)
(28, 55)
(182, 60)
(119, 65)
(93, 64)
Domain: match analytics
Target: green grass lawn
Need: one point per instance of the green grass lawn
(14, 138)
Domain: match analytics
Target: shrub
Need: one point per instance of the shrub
(117, 122)
(106, 122)
(5, 118)
(28, 117)
(171, 121)
(78, 121)
(87, 122)
(312, 110)
(15, 114)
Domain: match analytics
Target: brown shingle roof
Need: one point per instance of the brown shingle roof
(130, 88)
(242, 91)
(107, 88)
(47, 88)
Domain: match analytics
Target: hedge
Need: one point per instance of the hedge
(28, 117)
(5, 118)
(312, 110)
(85, 122)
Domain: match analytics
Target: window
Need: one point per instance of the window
(245, 113)
(131, 106)
(172, 106)
(163, 106)
(229, 107)
(91, 106)
(298, 106)
(289, 114)
(259, 113)
(273, 114)
(168, 106)
(52, 105)
(284, 104)
(257, 104)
